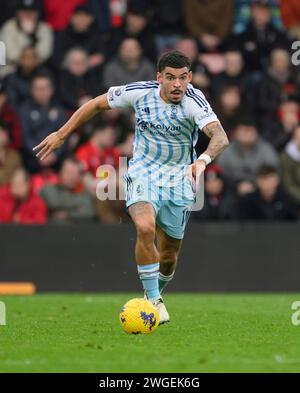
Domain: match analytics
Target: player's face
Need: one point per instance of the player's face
(174, 82)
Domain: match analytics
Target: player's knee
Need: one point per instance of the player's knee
(168, 257)
(145, 230)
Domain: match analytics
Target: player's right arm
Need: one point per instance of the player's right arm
(54, 140)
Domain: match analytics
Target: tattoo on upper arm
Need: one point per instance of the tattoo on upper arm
(218, 139)
(213, 128)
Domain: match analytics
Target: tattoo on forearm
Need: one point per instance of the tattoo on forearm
(218, 139)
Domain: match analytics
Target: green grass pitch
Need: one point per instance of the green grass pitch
(207, 333)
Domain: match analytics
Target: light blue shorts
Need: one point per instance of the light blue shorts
(173, 205)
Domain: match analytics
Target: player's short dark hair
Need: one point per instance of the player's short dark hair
(173, 59)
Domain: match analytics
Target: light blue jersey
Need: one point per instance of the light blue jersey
(165, 134)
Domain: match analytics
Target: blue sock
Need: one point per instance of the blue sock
(149, 277)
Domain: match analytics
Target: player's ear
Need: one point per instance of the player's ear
(190, 76)
(159, 77)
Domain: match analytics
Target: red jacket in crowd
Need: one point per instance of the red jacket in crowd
(91, 157)
(43, 178)
(290, 12)
(10, 117)
(58, 13)
(31, 211)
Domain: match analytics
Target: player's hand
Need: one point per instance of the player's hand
(48, 145)
(196, 170)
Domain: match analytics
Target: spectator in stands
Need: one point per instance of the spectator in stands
(269, 201)
(233, 75)
(24, 30)
(278, 83)
(136, 26)
(98, 151)
(123, 121)
(57, 15)
(220, 201)
(210, 22)
(188, 46)
(10, 159)
(40, 115)
(129, 66)
(18, 204)
(10, 118)
(8, 9)
(260, 37)
(109, 14)
(45, 176)
(290, 14)
(80, 33)
(168, 23)
(78, 84)
(279, 130)
(229, 107)
(290, 165)
(18, 83)
(246, 153)
(242, 11)
(67, 201)
(125, 147)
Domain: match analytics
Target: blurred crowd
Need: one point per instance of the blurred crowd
(61, 54)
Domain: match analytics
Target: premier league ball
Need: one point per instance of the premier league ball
(139, 316)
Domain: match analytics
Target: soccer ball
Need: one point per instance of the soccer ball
(139, 316)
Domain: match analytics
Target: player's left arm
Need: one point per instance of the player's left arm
(218, 142)
(218, 139)
(54, 140)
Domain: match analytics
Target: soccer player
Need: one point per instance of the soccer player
(164, 169)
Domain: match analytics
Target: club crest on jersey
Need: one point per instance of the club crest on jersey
(173, 112)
